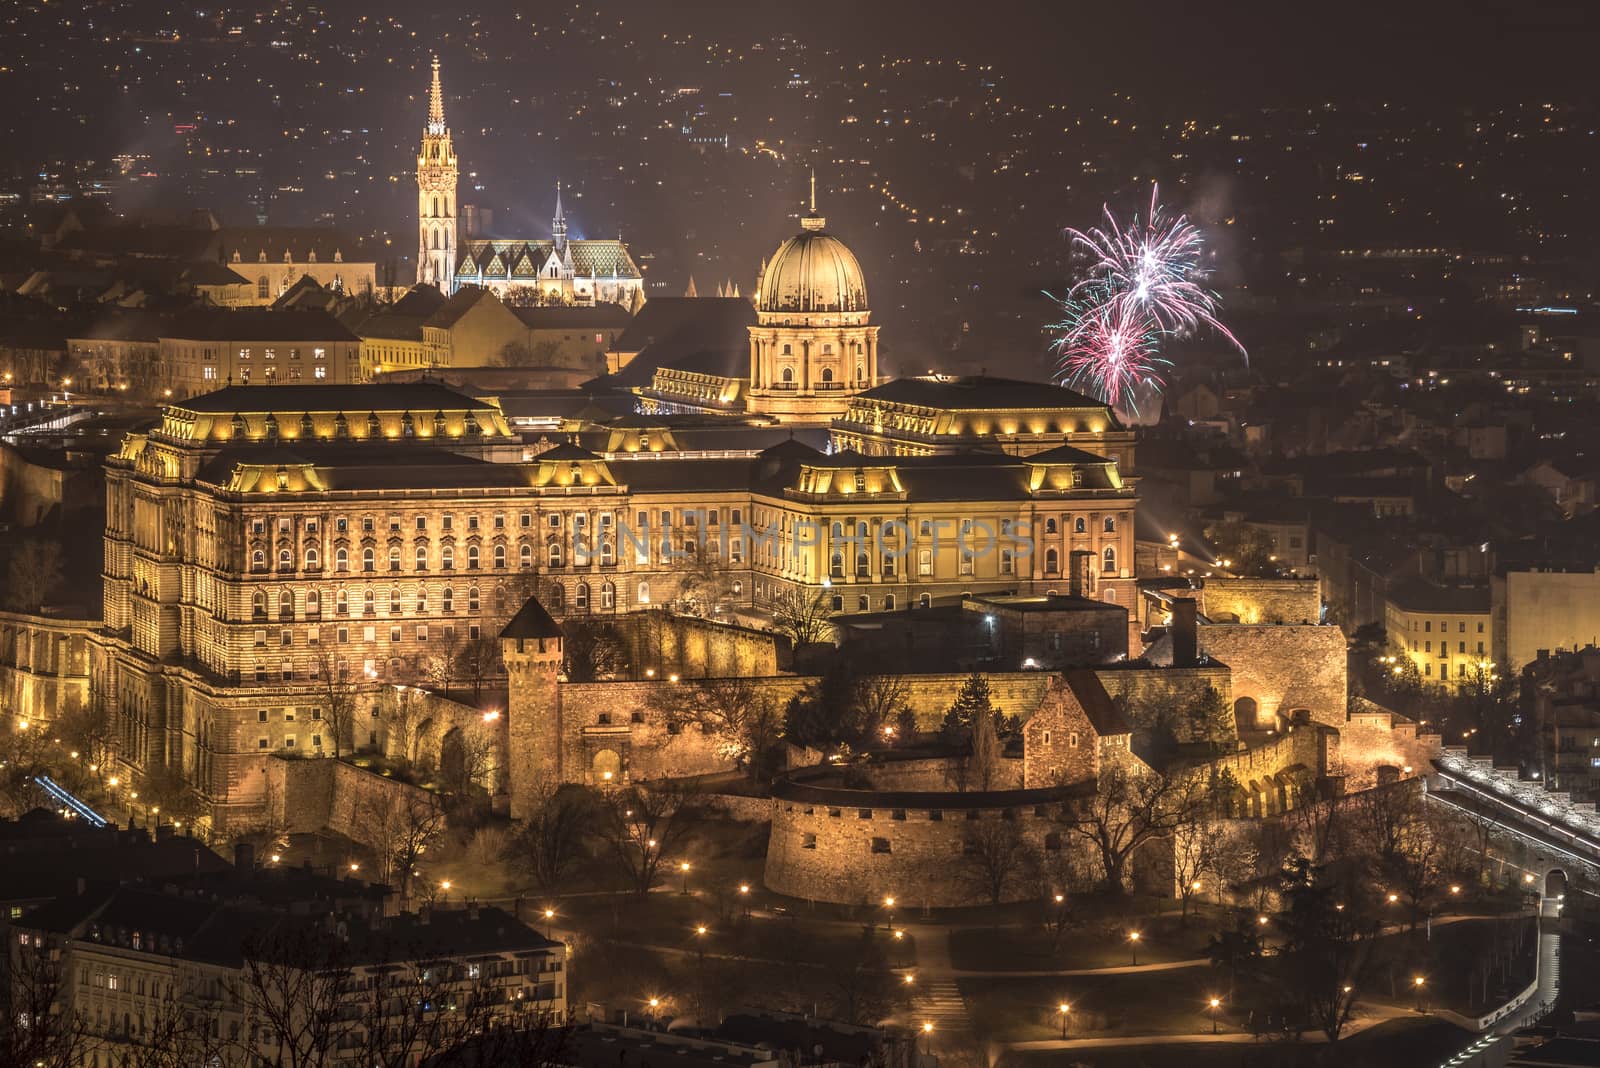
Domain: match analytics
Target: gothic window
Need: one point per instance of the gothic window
(263, 288)
(436, 207)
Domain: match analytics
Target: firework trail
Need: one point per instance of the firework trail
(1147, 282)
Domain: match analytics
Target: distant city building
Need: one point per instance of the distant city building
(521, 270)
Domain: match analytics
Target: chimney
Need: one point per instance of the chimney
(1080, 573)
(1185, 642)
(244, 856)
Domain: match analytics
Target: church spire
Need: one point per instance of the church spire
(811, 220)
(436, 102)
(558, 224)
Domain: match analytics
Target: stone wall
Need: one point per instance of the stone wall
(29, 492)
(1261, 600)
(936, 773)
(862, 848)
(691, 647)
(1150, 696)
(307, 796)
(1279, 670)
(1376, 738)
(44, 665)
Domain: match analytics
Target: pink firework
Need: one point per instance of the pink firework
(1108, 352)
(1154, 269)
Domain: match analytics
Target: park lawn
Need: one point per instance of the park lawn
(669, 920)
(1100, 943)
(1446, 962)
(1402, 1043)
(1024, 1009)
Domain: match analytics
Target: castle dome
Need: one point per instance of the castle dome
(813, 271)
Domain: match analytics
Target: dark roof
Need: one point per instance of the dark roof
(458, 304)
(532, 621)
(1064, 454)
(1419, 595)
(211, 273)
(979, 392)
(603, 316)
(387, 397)
(566, 451)
(260, 324)
(706, 334)
(1104, 714)
(420, 301)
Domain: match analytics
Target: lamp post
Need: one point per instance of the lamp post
(1063, 1010)
(549, 924)
(744, 898)
(1418, 982)
(1214, 1004)
(1133, 946)
(684, 868)
(927, 1034)
(888, 911)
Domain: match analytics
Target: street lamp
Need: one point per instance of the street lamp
(1417, 983)
(927, 1031)
(1063, 1010)
(1133, 946)
(684, 868)
(888, 910)
(1214, 1004)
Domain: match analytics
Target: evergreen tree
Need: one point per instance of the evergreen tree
(972, 702)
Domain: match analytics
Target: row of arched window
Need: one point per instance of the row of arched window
(262, 602)
(555, 556)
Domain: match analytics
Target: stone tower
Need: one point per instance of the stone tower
(531, 646)
(436, 196)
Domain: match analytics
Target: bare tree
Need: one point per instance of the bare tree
(479, 661)
(864, 989)
(643, 825)
(466, 760)
(883, 699)
(399, 826)
(1129, 808)
(442, 668)
(802, 615)
(337, 688)
(39, 1026)
(551, 840)
(593, 649)
(994, 857)
(737, 711)
(35, 573)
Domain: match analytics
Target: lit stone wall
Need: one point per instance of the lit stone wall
(1261, 600)
(863, 848)
(44, 665)
(1283, 669)
(309, 796)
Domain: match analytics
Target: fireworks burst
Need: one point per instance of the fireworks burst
(1147, 282)
(1109, 349)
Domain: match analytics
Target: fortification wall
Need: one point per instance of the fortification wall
(1278, 670)
(856, 853)
(306, 796)
(1261, 600)
(1150, 696)
(691, 647)
(29, 492)
(936, 773)
(1376, 738)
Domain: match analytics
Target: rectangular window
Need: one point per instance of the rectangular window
(288, 741)
(369, 634)
(422, 632)
(394, 634)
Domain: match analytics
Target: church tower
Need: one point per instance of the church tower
(436, 196)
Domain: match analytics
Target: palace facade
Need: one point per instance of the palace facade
(266, 543)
